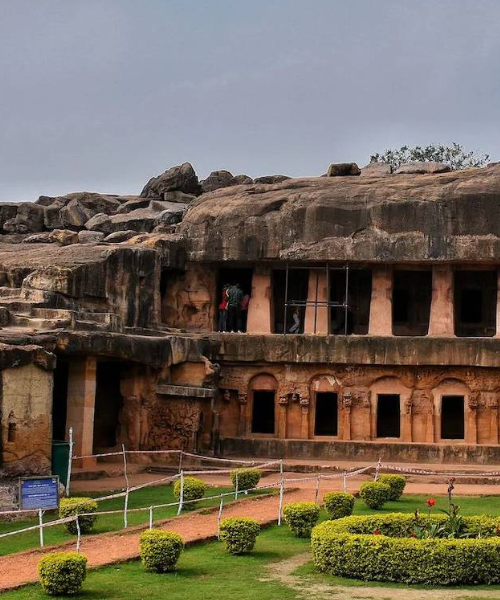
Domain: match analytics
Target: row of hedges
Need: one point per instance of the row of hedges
(348, 548)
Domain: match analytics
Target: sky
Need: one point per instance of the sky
(101, 95)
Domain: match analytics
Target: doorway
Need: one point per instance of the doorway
(388, 416)
(263, 419)
(326, 418)
(452, 418)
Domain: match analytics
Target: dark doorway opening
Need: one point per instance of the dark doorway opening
(452, 418)
(388, 416)
(108, 403)
(168, 279)
(326, 418)
(359, 291)
(242, 277)
(411, 302)
(263, 411)
(298, 283)
(60, 400)
(475, 300)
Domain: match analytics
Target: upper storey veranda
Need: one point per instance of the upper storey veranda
(448, 217)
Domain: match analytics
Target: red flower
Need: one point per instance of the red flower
(377, 532)
(431, 502)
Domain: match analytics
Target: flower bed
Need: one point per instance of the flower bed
(380, 548)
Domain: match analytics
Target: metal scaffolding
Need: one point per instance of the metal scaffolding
(328, 304)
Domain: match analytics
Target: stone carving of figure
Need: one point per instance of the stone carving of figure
(283, 400)
(473, 400)
(226, 396)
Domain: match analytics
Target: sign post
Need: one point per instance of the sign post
(37, 493)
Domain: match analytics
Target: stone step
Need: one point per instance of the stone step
(53, 313)
(105, 318)
(9, 292)
(19, 320)
(20, 307)
(85, 325)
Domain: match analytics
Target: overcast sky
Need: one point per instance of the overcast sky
(101, 95)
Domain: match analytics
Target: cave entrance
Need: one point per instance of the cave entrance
(108, 403)
(231, 276)
(350, 298)
(452, 418)
(263, 420)
(411, 302)
(475, 301)
(388, 416)
(60, 399)
(326, 417)
(294, 293)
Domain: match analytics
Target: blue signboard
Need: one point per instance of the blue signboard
(39, 492)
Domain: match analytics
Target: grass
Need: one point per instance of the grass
(58, 534)
(207, 572)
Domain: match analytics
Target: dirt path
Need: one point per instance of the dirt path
(307, 588)
(21, 568)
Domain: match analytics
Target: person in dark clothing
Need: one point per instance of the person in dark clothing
(234, 298)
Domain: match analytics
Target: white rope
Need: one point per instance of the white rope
(35, 527)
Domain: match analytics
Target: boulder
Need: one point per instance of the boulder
(38, 238)
(83, 207)
(216, 180)
(271, 179)
(45, 200)
(133, 205)
(242, 180)
(8, 211)
(29, 218)
(420, 168)
(52, 215)
(64, 237)
(140, 220)
(179, 178)
(120, 236)
(177, 196)
(376, 170)
(90, 237)
(343, 170)
(75, 214)
(100, 222)
(170, 216)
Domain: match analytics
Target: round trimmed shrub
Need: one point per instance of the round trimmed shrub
(160, 550)
(345, 548)
(338, 504)
(194, 489)
(62, 573)
(76, 506)
(239, 534)
(374, 494)
(248, 479)
(397, 483)
(301, 517)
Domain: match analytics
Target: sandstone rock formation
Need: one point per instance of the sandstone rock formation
(376, 170)
(342, 170)
(181, 178)
(420, 168)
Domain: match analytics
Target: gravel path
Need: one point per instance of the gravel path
(21, 568)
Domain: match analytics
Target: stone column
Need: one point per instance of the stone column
(81, 405)
(242, 423)
(345, 422)
(498, 305)
(494, 419)
(406, 418)
(441, 318)
(304, 425)
(319, 314)
(471, 419)
(282, 404)
(259, 307)
(381, 301)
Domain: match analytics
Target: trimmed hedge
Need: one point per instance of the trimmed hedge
(397, 483)
(239, 534)
(160, 550)
(248, 479)
(348, 548)
(62, 573)
(301, 517)
(194, 489)
(76, 506)
(338, 504)
(374, 494)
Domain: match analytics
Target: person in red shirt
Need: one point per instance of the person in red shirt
(244, 312)
(223, 310)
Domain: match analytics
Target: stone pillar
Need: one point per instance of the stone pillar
(381, 301)
(242, 423)
(259, 307)
(494, 419)
(406, 424)
(319, 314)
(441, 317)
(498, 305)
(471, 419)
(81, 405)
(282, 404)
(304, 425)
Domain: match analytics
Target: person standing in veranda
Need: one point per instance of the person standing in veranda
(295, 328)
(244, 312)
(223, 309)
(234, 298)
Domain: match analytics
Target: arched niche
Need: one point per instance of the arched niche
(325, 407)
(389, 397)
(451, 405)
(263, 405)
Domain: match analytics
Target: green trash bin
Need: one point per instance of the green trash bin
(60, 459)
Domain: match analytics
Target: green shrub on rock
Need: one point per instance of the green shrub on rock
(194, 489)
(397, 483)
(301, 517)
(239, 534)
(160, 550)
(76, 506)
(338, 504)
(374, 494)
(62, 573)
(248, 479)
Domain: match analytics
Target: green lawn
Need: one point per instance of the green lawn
(57, 534)
(207, 572)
